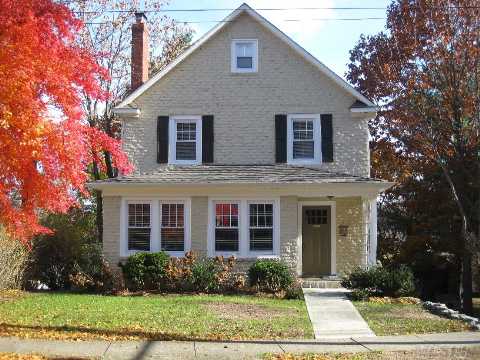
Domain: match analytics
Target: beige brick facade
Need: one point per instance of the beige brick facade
(350, 249)
(244, 105)
(111, 229)
(244, 108)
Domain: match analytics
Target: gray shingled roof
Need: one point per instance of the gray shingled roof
(238, 174)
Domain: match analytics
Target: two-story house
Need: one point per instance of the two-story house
(245, 145)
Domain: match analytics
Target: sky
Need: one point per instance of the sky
(328, 40)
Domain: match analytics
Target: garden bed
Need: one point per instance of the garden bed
(154, 317)
(404, 319)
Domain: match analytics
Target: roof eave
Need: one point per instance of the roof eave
(126, 112)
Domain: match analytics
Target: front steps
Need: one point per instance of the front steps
(328, 282)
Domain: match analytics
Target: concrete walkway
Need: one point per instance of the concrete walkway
(189, 350)
(333, 316)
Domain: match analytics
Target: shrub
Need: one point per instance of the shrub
(360, 294)
(270, 275)
(13, 262)
(294, 292)
(380, 281)
(71, 246)
(204, 276)
(146, 271)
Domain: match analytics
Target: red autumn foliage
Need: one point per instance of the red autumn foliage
(45, 144)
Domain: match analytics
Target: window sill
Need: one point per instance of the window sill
(244, 73)
(249, 256)
(304, 162)
(185, 162)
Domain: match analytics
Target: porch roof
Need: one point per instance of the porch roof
(238, 174)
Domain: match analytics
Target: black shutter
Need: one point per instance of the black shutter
(327, 138)
(207, 139)
(162, 139)
(281, 138)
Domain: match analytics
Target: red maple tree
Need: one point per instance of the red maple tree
(46, 145)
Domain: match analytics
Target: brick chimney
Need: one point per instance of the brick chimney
(140, 58)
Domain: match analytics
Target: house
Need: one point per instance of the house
(245, 145)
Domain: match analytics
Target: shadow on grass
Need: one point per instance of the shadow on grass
(148, 337)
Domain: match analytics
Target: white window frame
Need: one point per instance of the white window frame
(240, 226)
(233, 56)
(317, 139)
(244, 231)
(127, 225)
(274, 226)
(155, 223)
(172, 141)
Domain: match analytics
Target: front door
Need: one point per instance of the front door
(316, 240)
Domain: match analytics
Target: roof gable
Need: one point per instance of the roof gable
(244, 8)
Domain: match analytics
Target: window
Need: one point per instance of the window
(261, 227)
(244, 228)
(304, 139)
(244, 55)
(139, 227)
(172, 227)
(226, 227)
(317, 216)
(185, 140)
(303, 143)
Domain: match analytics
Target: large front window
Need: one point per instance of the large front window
(155, 224)
(244, 227)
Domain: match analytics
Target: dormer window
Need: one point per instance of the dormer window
(244, 55)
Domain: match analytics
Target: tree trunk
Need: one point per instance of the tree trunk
(466, 291)
(98, 198)
(99, 215)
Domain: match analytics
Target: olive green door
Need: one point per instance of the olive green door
(316, 241)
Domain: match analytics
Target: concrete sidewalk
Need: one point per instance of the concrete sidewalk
(333, 316)
(137, 350)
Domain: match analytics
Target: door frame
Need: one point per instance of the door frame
(333, 233)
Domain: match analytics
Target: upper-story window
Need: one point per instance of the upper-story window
(303, 135)
(244, 55)
(185, 140)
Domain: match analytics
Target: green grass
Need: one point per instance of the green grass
(400, 319)
(423, 354)
(169, 317)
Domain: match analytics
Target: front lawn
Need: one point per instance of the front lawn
(401, 319)
(159, 317)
